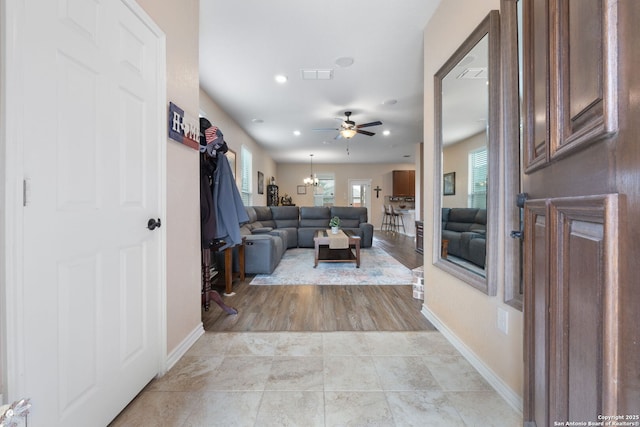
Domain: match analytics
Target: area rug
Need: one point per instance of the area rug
(376, 268)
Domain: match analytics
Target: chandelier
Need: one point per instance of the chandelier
(311, 179)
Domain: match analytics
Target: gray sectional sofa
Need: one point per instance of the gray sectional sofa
(272, 230)
(466, 230)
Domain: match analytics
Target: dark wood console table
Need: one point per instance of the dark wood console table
(208, 293)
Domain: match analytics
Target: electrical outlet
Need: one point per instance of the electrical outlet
(503, 321)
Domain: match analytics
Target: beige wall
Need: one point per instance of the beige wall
(236, 138)
(289, 176)
(469, 314)
(180, 25)
(455, 158)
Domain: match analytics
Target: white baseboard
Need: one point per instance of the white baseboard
(183, 347)
(511, 397)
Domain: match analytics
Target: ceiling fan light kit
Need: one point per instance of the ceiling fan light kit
(348, 129)
(348, 133)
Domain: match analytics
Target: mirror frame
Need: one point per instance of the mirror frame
(512, 147)
(490, 26)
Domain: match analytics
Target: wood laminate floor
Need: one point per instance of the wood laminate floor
(309, 308)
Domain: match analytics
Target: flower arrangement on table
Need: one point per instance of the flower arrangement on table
(334, 223)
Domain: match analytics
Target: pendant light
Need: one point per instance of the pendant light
(311, 179)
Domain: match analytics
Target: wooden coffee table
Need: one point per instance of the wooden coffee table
(324, 254)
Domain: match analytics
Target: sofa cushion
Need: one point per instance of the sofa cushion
(355, 215)
(314, 216)
(264, 216)
(467, 215)
(261, 230)
(460, 227)
(285, 216)
(263, 253)
(350, 217)
(478, 251)
(465, 229)
(251, 213)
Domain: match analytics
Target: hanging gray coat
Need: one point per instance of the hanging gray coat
(230, 211)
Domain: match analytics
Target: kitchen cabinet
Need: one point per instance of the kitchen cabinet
(419, 236)
(404, 183)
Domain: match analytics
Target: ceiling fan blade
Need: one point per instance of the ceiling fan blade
(324, 129)
(376, 123)
(365, 132)
(338, 136)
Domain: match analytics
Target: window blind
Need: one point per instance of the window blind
(246, 162)
(478, 169)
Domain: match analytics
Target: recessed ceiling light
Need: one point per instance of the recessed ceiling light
(344, 61)
(296, 132)
(257, 120)
(386, 132)
(281, 78)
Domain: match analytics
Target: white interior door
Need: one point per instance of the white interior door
(91, 88)
(360, 193)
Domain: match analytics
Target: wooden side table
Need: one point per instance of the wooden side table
(444, 248)
(228, 267)
(208, 293)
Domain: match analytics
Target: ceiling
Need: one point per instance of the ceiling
(244, 44)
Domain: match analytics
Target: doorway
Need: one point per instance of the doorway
(360, 193)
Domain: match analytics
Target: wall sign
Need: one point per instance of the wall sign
(183, 128)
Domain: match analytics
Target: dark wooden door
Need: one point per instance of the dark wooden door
(582, 174)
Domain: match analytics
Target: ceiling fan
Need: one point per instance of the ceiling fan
(349, 128)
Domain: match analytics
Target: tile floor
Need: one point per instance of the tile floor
(320, 379)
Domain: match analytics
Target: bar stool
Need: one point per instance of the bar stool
(386, 218)
(391, 220)
(398, 220)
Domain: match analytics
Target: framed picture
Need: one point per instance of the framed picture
(302, 189)
(231, 157)
(260, 183)
(449, 184)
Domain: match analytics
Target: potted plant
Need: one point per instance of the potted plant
(334, 224)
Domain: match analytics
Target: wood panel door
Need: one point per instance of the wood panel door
(582, 175)
(87, 332)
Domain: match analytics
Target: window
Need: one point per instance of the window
(324, 192)
(246, 163)
(478, 179)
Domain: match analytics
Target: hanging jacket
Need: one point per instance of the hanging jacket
(230, 211)
(207, 207)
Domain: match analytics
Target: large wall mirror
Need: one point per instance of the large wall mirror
(467, 132)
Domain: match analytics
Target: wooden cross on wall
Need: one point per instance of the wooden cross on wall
(377, 190)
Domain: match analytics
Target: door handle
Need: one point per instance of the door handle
(517, 234)
(152, 224)
(521, 198)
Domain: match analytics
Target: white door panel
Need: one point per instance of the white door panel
(359, 193)
(92, 156)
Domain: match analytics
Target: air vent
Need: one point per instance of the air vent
(317, 74)
(474, 73)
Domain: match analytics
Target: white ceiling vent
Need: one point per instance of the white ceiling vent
(317, 74)
(474, 73)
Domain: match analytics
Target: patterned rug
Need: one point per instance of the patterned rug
(376, 268)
